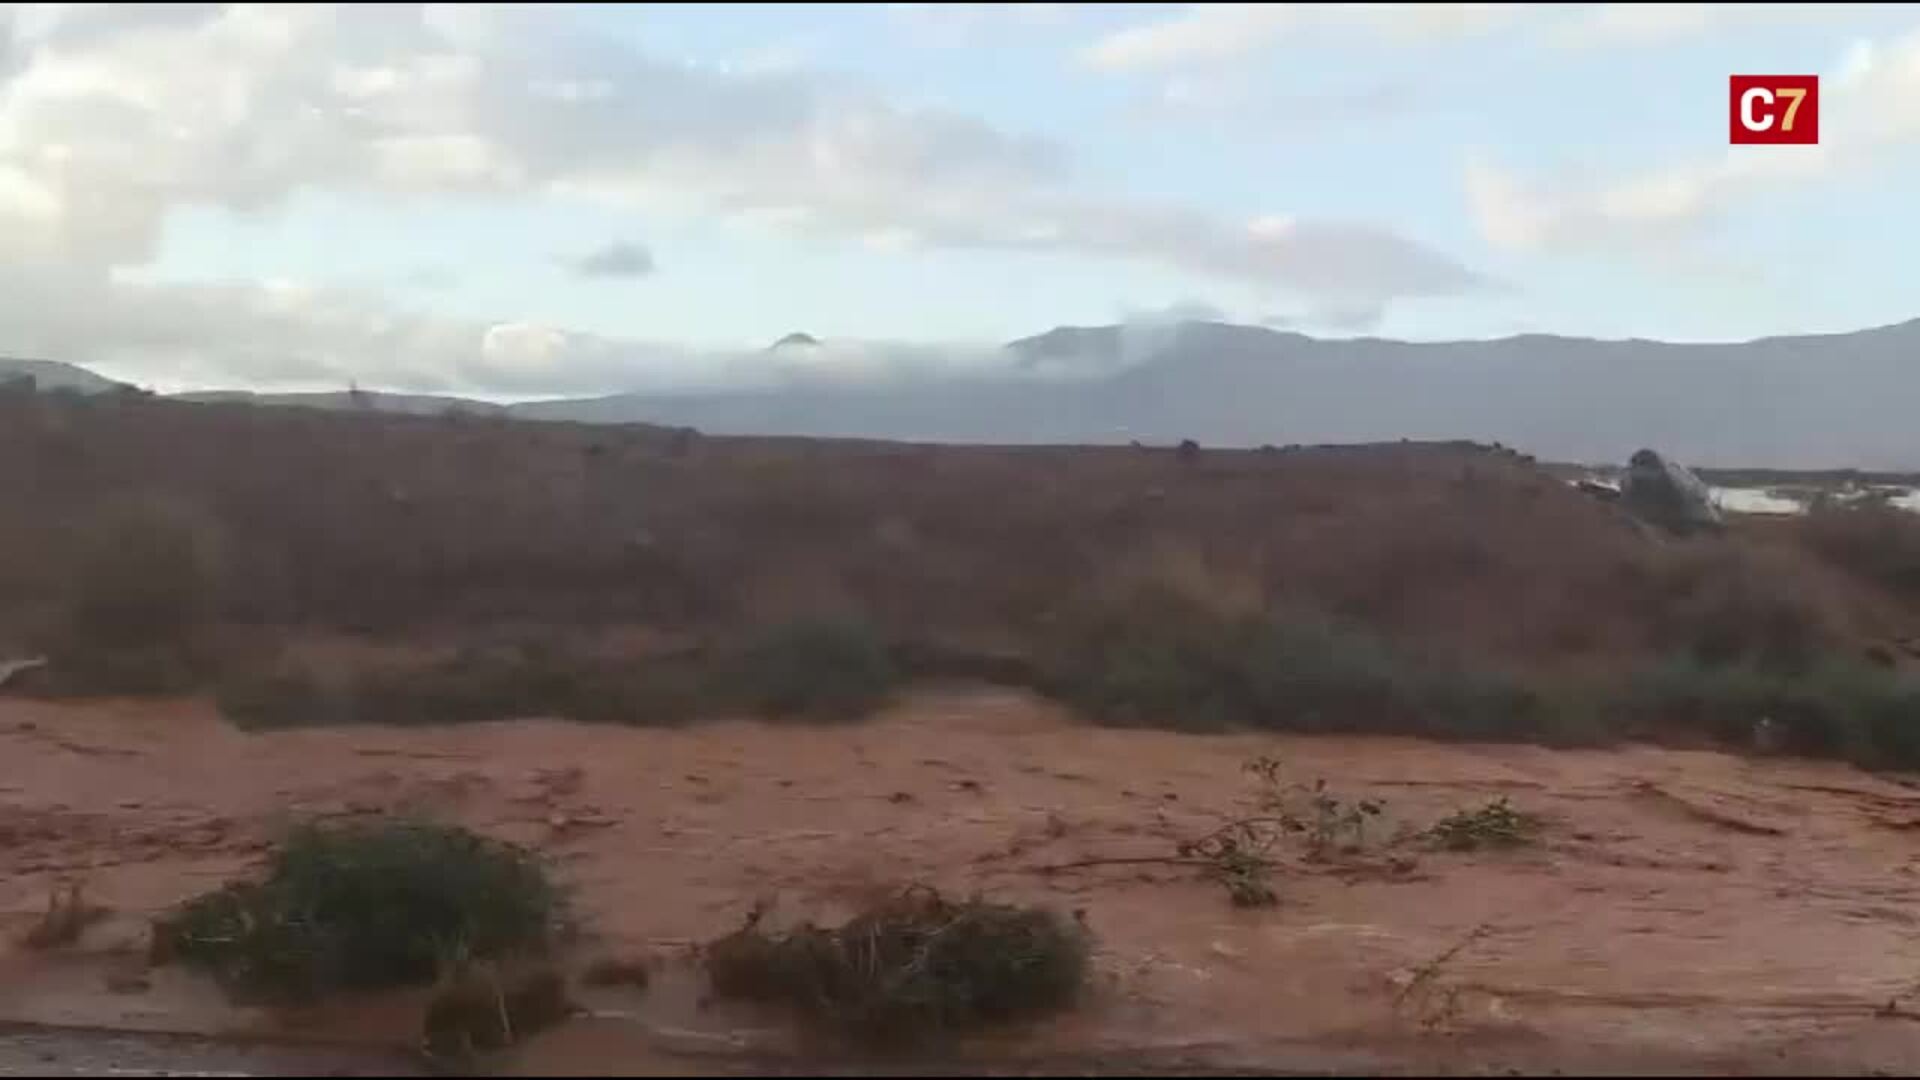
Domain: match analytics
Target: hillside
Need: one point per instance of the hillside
(55, 375)
(375, 520)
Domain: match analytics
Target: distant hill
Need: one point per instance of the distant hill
(54, 375)
(796, 339)
(372, 400)
(1821, 401)
(1832, 401)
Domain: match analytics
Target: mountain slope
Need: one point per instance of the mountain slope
(54, 375)
(1839, 400)
(1808, 402)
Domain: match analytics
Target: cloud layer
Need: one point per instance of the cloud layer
(1870, 110)
(113, 117)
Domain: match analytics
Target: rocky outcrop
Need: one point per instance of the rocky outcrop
(1666, 493)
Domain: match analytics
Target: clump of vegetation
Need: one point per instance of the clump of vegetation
(281, 698)
(478, 686)
(810, 670)
(1721, 606)
(1239, 854)
(815, 669)
(1496, 825)
(1236, 856)
(1840, 708)
(1873, 540)
(1156, 659)
(473, 687)
(139, 592)
(143, 574)
(476, 1008)
(1332, 818)
(67, 917)
(360, 907)
(912, 968)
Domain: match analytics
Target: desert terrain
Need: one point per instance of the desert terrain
(1687, 902)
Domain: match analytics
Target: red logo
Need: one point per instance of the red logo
(1773, 109)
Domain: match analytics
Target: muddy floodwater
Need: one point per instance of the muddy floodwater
(1688, 910)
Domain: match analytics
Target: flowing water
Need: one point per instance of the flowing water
(1687, 910)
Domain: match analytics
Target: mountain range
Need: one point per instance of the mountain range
(1805, 402)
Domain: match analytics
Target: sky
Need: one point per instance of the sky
(526, 201)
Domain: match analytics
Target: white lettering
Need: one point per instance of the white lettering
(1747, 118)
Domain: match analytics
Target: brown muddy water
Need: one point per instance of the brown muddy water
(1686, 911)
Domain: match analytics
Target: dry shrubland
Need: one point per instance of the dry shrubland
(1439, 589)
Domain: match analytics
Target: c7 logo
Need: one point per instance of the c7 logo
(1773, 109)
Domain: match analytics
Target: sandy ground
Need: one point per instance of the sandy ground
(1685, 910)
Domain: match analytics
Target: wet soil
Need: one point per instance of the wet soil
(1683, 910)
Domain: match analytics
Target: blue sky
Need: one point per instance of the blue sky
(412, 197)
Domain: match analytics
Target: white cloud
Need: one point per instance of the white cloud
(961, 24)
(1202, 36)
(114, 117)
(1871, 108)
(287, 336)
(1656, 24)
(1208, 33)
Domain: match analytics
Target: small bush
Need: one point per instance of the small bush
(139, 593)
(910, 969)
(144, 575)
(1497, 824)
(813, 669)
(1158, 660)
(1840, 709)
(476, 1009)
(362, 907)
(1874, 541)
(1720, 606)
(279, 699)
(473, 687)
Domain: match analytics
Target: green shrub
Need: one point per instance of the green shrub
(137, 598)
(1162, 662)
(1838, 708)
(910, 969)
(1496, 824)
(279, 699)
(473, 687)
(1872, 540)
(1722, 606)
(143, 575)
(363, 907)
(817, 669)
(88, 670)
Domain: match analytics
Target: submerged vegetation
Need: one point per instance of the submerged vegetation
(913, 968)
(365, 906)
